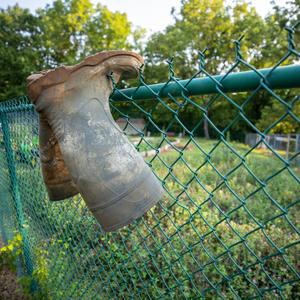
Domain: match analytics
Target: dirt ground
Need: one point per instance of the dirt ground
(9, 287)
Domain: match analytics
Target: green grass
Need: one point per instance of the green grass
(226, 227)
(149, 143)
(256, 180)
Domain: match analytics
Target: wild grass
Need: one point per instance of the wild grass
(226, 227)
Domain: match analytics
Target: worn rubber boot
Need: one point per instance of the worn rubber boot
(56, 175)
(104, 166)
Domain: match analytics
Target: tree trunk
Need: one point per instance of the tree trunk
(205, 128)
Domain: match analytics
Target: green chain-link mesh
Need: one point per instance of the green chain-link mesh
(227, 226)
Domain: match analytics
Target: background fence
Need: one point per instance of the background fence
(288, 143)
(227, 226)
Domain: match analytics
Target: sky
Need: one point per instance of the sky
(154, 15)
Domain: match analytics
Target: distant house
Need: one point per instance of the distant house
(132, 126)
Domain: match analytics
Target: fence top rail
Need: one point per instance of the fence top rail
(275, 78)
(279, 78)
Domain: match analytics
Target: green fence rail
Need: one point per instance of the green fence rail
(228, 224)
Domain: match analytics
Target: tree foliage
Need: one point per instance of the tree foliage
(19, 53)
(61, 33)
(201, 24)
(68, 30)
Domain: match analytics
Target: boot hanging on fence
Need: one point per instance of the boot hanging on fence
(82, 148)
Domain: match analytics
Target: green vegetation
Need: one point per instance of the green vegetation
(68, 30)
(227, 226)
(60, 33)
(35, 286)
(221, 237)
(10, 252)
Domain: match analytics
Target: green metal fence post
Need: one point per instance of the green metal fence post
(2, 231)
(14, 188)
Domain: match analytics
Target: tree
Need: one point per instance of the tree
(62, 27)
(61, 33)
(272, 110)
(273, 113)
(200, 24)
(107, 30)
(19, 49)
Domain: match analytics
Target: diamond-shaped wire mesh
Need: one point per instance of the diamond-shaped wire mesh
(227, 226)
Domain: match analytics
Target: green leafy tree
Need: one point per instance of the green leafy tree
(107, 30)
(200, 24)
(62, 29)
(271, 115)
(271, 111)
(61, 33)
(19, 49)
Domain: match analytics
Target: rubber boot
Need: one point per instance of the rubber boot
(95, 157)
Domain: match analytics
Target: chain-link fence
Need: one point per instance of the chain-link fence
(227, 226)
